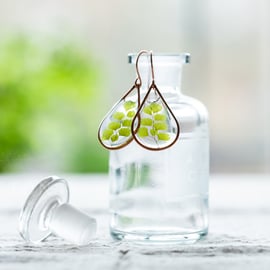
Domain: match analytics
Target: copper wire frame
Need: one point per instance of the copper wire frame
(134, 130)
(153, 87)
(137, 84)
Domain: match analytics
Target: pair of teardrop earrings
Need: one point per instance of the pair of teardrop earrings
(151, 123)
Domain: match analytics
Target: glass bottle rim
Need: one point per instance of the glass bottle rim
(161, 58)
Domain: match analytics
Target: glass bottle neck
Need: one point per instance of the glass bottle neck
(167, 70)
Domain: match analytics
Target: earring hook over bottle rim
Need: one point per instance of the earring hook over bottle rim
(138, 80)
(163, 58)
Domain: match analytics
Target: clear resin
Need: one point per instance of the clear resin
(162, 196)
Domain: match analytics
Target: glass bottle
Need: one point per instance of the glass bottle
(162, 196)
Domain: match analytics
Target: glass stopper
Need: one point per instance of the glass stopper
(47, 211)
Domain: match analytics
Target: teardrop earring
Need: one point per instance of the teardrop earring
(115, 129)
(154, 126)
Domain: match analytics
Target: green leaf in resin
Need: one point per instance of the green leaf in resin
(163, 136)
(127, 122)
(114, 125)
(155, 107)
(160, 117)
(128, 105)
(107, 133)
(143, 132)
(118, 115)
(114, 137)
(124, 132)
(147, 110)
(153, 132)
(147, 122)
(160, 126)
(152, 108)
(131, 114)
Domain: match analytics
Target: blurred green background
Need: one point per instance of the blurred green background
(63, 64)
(49, 99)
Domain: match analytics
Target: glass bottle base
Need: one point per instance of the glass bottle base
(148, 237)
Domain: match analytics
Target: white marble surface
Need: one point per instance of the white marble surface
(239, 235)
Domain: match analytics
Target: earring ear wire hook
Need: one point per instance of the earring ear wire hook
(152, 67)
(138, 80)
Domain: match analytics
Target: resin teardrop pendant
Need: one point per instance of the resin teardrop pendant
(154, 126)
(115, 129)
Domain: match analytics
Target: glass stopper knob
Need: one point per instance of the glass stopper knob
(47, 211)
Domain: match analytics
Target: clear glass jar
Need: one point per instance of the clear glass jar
(162, 196)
